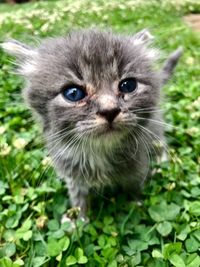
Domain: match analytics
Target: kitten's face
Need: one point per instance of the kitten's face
(92, 83)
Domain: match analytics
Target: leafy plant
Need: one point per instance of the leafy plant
(160, 230)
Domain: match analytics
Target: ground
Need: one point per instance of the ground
(163, 228)
(193, 21)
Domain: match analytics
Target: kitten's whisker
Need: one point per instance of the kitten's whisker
(85, 172)
(63, 131)
(151, 135)
(85, 122)
(68, 145)
(147, 109)
(82, 159)
(146, 147)
(47, 167)
(55, 143)
(59, 137)
(161, 142)
(75, 148)
(87, 129)
(134, 136)
(83, 163)
(56, 158)
(148, 150)
(157, 122)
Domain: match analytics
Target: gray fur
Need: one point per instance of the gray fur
(85, 153)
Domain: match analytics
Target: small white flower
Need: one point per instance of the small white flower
(196, 103)
(4, 149)
(189, 61)
(27, 167)
(44, 27)
(19, 143)
(195, 115)
(46, 161)
(2, 129)
(192, 130)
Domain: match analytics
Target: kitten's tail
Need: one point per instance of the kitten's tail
(170, 64)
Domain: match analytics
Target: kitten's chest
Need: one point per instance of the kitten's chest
(95, 168)
(98, 167)
(93, 165)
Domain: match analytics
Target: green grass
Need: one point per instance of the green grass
(161, 231)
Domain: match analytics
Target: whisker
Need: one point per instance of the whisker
(67, 129)
(161, 142)
(155, 109)
(55, 142)
(148, 150)
(158, 122)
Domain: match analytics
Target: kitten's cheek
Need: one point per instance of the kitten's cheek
(122, 117)
(100, 121)
(125, 118)
(127, 97)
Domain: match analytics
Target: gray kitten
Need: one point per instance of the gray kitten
(97, 95)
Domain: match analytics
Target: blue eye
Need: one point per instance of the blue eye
(128, 85)
(74, 93)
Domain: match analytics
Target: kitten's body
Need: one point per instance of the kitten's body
(108, 137)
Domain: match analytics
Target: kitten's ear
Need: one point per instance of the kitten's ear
(142, 40)
(18, 49)
(143, 37)
(170, 64)
(27, 56)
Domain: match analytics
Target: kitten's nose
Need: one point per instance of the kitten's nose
(109, 114)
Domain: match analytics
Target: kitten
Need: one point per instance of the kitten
(97, 95)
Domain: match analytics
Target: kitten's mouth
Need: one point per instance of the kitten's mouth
(109, 129)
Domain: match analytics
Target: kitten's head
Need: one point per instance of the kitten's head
(92, 83)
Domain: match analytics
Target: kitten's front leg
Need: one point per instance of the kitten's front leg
(78, 194)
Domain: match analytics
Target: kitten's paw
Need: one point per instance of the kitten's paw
(74, 214)
(72, 223)
(65, 219)
(85, 219)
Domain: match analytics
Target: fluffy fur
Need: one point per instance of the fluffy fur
(86, 152)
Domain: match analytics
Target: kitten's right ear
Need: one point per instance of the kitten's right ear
(18, 49)
(143, 39)
(170, 64)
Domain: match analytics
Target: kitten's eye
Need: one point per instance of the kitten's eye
(74, 93)
(128, 85)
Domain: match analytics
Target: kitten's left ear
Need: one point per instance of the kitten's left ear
(18, 49)
(26, 55)
(143, 37)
